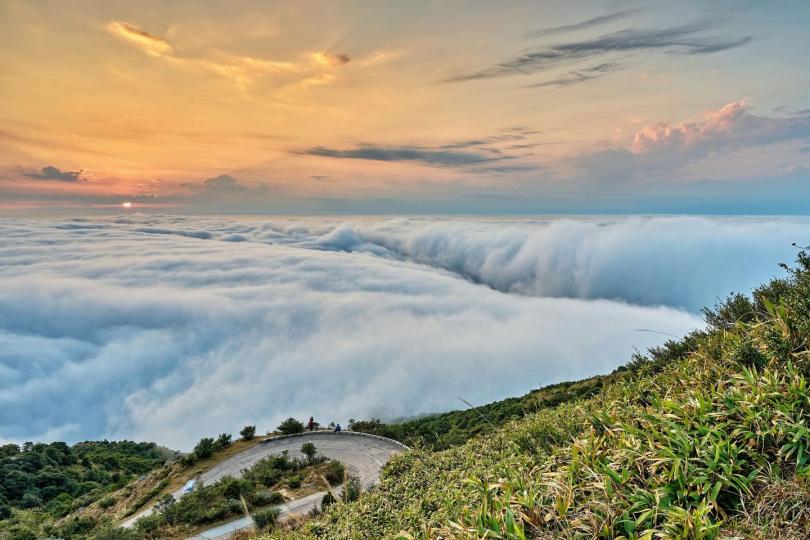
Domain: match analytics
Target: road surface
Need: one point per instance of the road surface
(363, 455)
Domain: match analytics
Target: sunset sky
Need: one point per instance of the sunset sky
(412, 107)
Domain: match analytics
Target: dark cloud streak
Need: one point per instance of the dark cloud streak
(428, 156)
(596, 21)
(688, 39)
(581, 75)
(50, 172)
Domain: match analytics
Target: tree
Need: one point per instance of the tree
(248, 432)
(290, 426)
(205, 448)
(223, 441)
(308, 449)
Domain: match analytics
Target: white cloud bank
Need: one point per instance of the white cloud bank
(170, 329)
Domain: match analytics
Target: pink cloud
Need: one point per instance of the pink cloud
(730, 126)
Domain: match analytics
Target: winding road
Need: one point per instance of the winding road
(363, 454)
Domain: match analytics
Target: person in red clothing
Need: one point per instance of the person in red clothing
(311, 423)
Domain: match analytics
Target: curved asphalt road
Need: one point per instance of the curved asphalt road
(363, 455)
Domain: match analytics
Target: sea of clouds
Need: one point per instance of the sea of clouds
(172, 328)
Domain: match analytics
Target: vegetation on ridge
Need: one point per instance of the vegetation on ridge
(706, 437)
(57, 478)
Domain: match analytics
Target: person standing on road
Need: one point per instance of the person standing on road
(311, 423)
(337, 428)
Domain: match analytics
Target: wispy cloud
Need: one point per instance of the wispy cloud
(242, 70)
(583, 25)
(690, 39)
(463, 153)
(53, 173)
(428, 156)
(506, 169)
(328, 59)
(151, 45)
(581, 75)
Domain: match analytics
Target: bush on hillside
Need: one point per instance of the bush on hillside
(263, 498)
(327, 500)
(266, 518)
(290, 426)
(248, 432)
(205, 448)
(309, 450)
(352, 489)
(334, 472)
(223, 441)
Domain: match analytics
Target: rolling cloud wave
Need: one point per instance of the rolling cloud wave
(683, 262)
(171, 328)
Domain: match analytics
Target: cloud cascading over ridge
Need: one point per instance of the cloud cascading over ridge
(134, 326)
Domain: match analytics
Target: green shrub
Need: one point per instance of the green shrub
(268, 471)
(352, 489)
(290, 426)
(294, 482)
(62, 505)
(266, 518)
(263, 498)
(205, 448)
(107, 502)
(334, 472)
(149, 526)
(309, 450)
(248, 432)
(327, 500)
(223, 441)
(233, 488)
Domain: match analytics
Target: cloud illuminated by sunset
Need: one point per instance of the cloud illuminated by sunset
(542, 107)
(150, 44)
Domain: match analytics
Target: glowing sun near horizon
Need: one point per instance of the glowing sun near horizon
(126, 204)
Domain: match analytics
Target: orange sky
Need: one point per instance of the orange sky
(298, 101)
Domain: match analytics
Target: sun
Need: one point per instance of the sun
(126, 204)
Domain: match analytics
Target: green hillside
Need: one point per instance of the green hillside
(703, 438)
(41, 482)
(441, 431)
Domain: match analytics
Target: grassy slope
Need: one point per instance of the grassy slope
(444, 430)
(707, 438)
